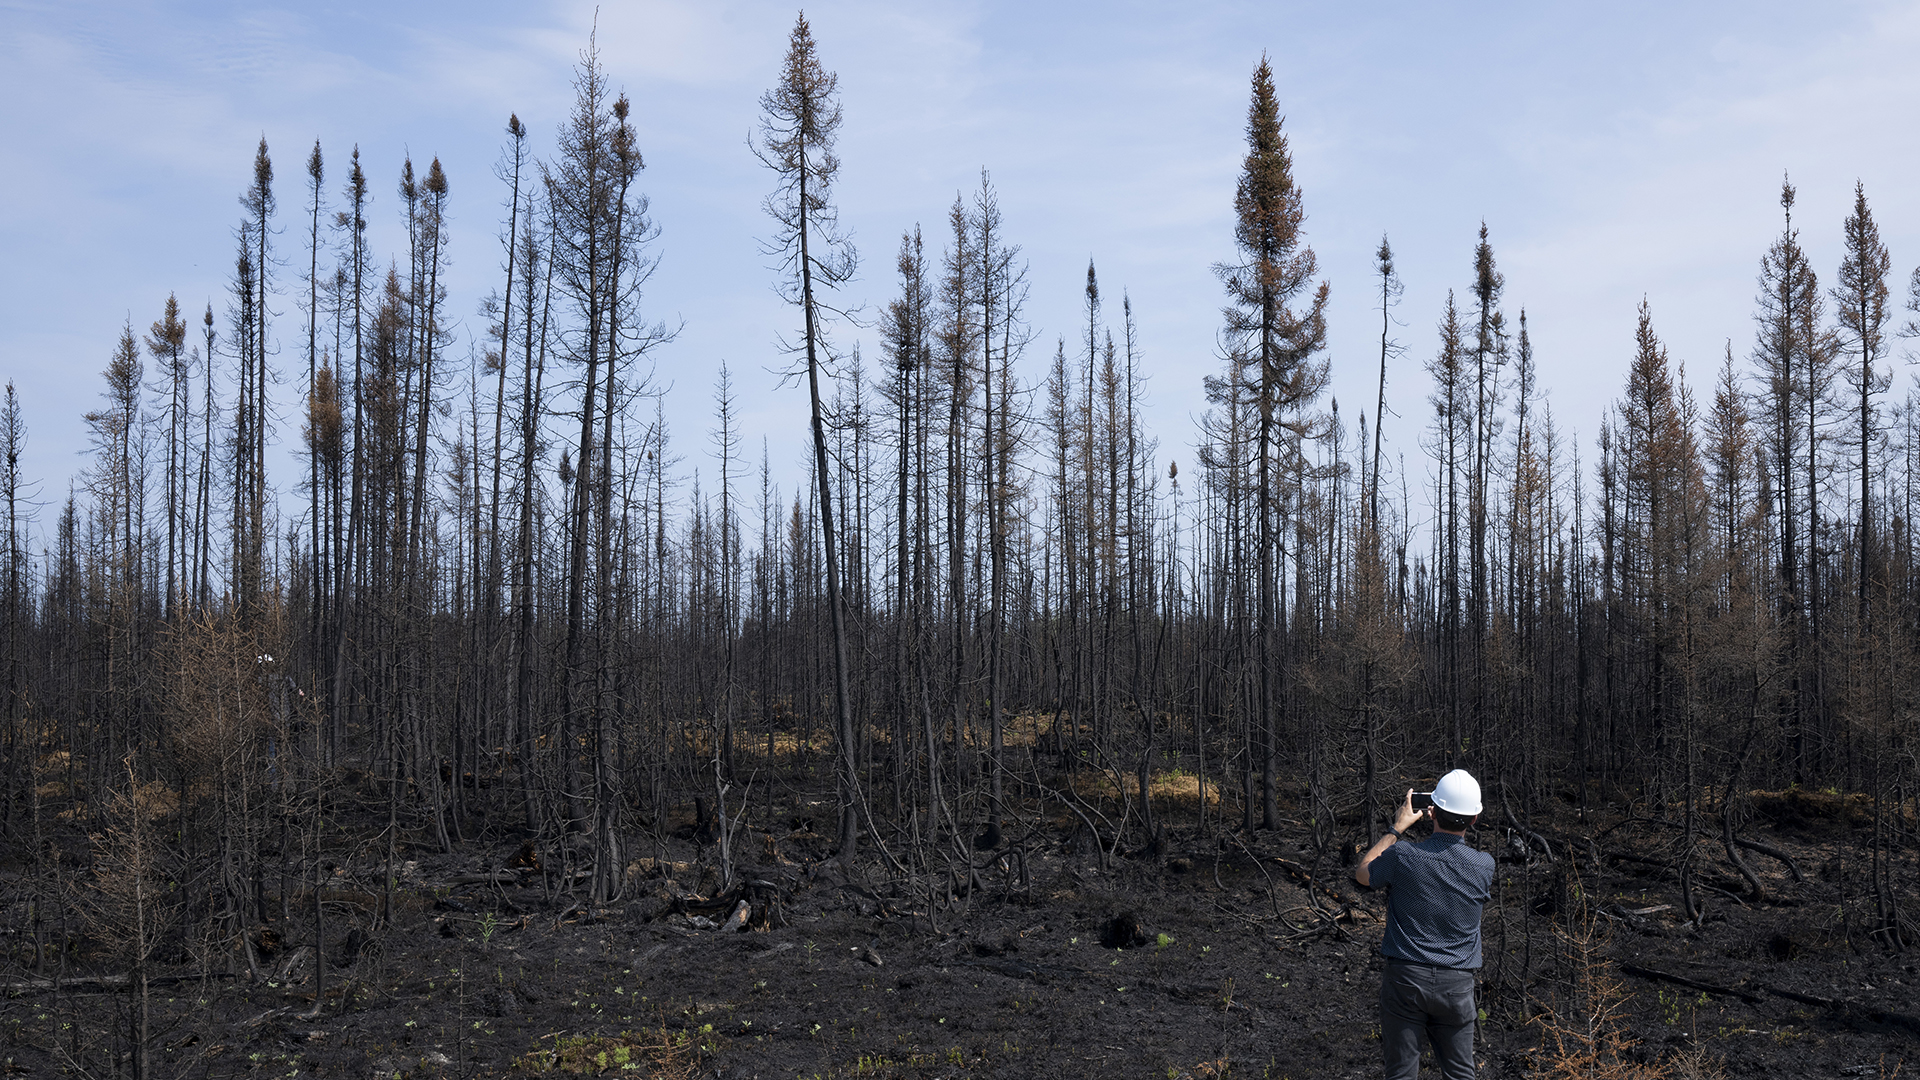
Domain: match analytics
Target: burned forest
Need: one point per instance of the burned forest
(381, 702)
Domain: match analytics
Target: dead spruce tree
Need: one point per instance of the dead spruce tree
(799, 124)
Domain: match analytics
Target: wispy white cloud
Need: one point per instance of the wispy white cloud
(1614, 153)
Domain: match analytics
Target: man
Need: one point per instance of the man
(1435, 890)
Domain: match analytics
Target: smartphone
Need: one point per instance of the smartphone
(1422, 800)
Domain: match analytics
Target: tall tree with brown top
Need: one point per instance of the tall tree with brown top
(316, 174)
(1489, 356)
(598, 227)
(253, 279)
(908, 343)
(1390, 292)
(1452, 428)
(1276, 343)
(799, 125)
(1788, 356)
(117, 482)
(1860, 301)
(167, 343)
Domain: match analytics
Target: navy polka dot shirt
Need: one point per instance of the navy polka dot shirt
(1435, 889)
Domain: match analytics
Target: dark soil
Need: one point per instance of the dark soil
(1237, 956)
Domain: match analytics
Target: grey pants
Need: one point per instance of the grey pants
(1419, 1000)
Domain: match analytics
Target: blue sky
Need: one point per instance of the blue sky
(1614, 151)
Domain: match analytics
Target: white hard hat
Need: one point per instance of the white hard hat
(1458, 793)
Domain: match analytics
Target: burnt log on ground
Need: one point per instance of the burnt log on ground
(1850, 1010)
(103, 984)
(1747, 996)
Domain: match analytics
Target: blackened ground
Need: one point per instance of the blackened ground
(1242, 956)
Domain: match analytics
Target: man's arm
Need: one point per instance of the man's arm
(1403, 819)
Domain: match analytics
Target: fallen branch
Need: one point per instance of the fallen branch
(1636, 821)
(1847, 1008)
(1728, 893)
(1628, 856)
(270, 1014)
(1804, 999)
(102, 984)
(1322, 920)
(1099, 845)
(1747, 996)
(1525, 833)
(494, 877)
(1732, 844)
(1793, 869)
(1306, 880)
